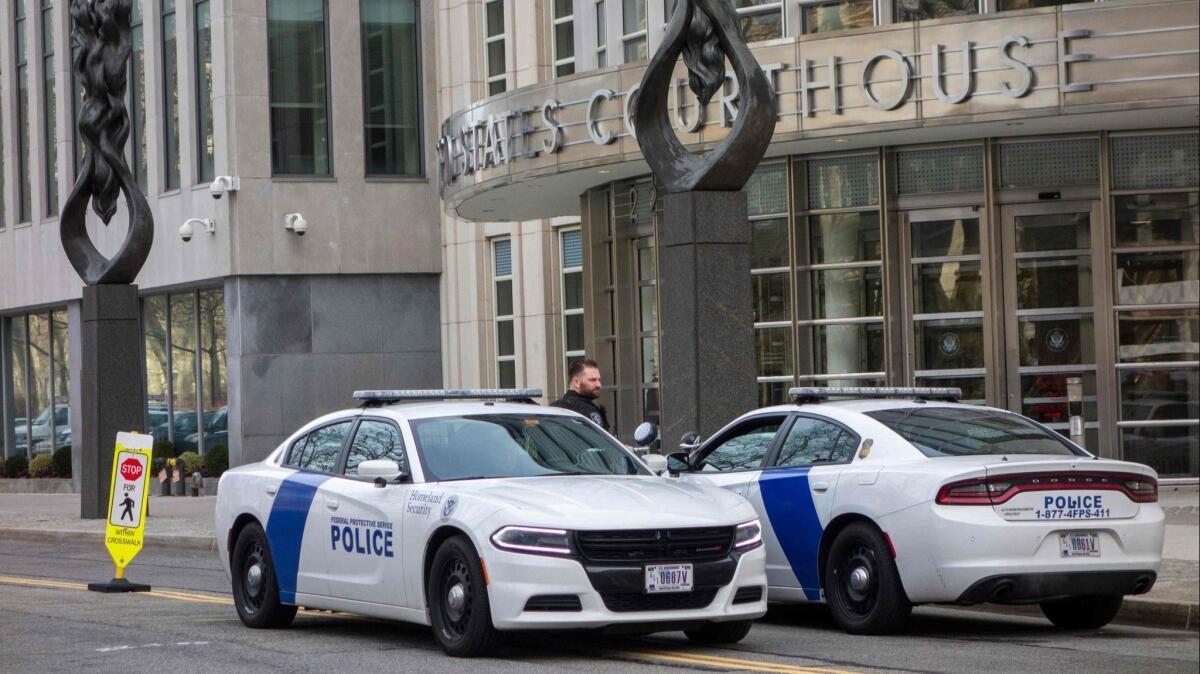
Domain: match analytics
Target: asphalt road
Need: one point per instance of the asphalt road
(50, 623)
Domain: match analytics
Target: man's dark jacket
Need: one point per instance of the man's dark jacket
(577, 403)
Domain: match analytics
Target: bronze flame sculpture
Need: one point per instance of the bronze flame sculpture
(100, 37)
(705, 32)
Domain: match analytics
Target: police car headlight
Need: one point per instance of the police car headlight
(533, 540)
(748, 536)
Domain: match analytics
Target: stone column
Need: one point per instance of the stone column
(706, 337)
(111, 385)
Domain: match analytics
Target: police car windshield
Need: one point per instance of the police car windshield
(959, 431)
(513, 445)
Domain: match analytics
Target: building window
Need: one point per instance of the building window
(646, 260)
(391, 87)
(493, 11)
(824, 17)
(839, 272)
(502, 301)
(299, 87)
(24, 205)
(633, 28)
(137, 94)
(170, 98)
(49, 112)
(760, 19)
(2, 88)
(601, 35)
(186, 377)
(564, 37)
(923, 10)
(1156, 272)
(766, 201)
(205, 169)
(1004, 5)
(37, 406)
(571, 252)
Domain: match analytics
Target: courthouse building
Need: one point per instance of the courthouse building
(991, 194)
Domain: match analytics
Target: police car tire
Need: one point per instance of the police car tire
(1086, 612)
(271, 613)
(713, 634)
(883, 607)
(473, 635)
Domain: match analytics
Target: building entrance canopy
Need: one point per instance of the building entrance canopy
(529, 153)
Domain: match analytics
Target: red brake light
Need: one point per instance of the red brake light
(997, 490)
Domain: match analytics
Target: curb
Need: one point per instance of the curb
(160, 541)
(1135, 612)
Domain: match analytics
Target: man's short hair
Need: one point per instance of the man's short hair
(578, 366)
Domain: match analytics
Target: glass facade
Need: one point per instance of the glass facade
(187, 393)
(926, 274)
(37, 411)
(391, 87)
(299, 99)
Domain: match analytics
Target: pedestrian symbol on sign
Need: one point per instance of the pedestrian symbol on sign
(127, 504)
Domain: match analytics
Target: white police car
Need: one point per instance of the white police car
(478, 516)
(874, 504)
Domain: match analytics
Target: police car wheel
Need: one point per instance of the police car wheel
(713, 634)
(1087, 612)
(255, 592)
(458, 602)
(862, 585)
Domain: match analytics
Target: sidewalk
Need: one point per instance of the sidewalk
(187, 522)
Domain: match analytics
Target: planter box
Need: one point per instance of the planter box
(36, 485)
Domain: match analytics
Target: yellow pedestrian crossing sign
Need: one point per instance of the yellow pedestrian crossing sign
(127, 502)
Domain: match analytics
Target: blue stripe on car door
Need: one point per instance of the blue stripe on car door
(285, 528)
(788, 501)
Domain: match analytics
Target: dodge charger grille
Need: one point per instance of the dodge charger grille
(652, 545)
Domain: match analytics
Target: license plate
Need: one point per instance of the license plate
(1079, 544)
(668, 578)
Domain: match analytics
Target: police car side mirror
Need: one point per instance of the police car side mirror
(381, 471)
(677, 462)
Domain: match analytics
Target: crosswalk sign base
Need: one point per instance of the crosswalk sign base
(118, 585)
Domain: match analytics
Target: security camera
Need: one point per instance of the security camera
(188, 229)
(296, 223)
(222, 184)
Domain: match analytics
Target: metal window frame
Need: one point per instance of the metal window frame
(420, 66)
(876, 15)
(136, 79)
(49, 117)
(766, 8)
(601, 17)
(555, 22)
(330, 149)
(166, 154)
(568, 354)
(498, 318)
(502, 36)
(200, 177)
(641, 34)
(21, 59)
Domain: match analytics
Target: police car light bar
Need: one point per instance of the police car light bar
(814, 393)
(383, 397)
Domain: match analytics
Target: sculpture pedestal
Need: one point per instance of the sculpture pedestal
(111, 387)
(706, 324)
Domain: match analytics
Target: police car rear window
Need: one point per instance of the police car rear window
(957, 431)
(511, 445)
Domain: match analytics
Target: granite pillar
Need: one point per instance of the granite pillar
(706, 323)
(111, 386)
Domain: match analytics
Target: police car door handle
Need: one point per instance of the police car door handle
(820, 486)
(271, 489)
(331, 503)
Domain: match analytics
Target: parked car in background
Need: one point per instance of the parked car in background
(216, 431)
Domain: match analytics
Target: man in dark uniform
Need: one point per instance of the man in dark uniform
(584, 378)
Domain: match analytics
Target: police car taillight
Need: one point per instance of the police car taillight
(999, 489)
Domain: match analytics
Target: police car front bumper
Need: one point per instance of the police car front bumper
(544, 592)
